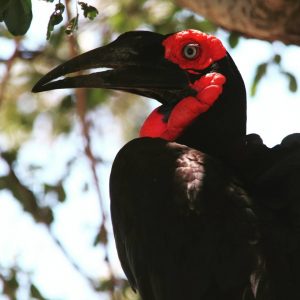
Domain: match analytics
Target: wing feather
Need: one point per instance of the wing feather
(184, 227)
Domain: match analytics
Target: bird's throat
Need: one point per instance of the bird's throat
(184, 113)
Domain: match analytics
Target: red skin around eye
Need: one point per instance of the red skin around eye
(211, 49)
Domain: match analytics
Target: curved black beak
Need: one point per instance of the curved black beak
(135, 63)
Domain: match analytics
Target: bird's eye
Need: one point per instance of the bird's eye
(191, 51)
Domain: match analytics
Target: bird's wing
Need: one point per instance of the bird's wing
(277, 197)
(184, 228)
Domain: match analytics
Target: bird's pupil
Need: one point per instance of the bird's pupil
(191, 51)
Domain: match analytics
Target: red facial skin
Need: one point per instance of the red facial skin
(211, 49)
(208, 87)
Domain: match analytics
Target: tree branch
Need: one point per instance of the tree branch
(81, 112)
(90, 281)
(262, 19)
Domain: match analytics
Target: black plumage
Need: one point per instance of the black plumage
(184, 226)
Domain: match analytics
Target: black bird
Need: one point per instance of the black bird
(200, 211)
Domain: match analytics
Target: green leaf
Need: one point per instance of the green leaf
(101, 236)
(72, 25)
(89, 11)
(57, 189)
(260, 72)
(3, 6)
(57, 37)
(61, 193)
(35, 293)
(96, 97)
(18, 16)
(277, 59)
(106, 285)
(10, 285)
(55, 19)
(233, 39)
(66, 104)
(207, 26)
(9, 156)
(293, 85)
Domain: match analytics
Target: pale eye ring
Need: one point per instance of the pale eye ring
(191, 51)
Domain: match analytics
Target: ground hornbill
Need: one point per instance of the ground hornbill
(200, 210)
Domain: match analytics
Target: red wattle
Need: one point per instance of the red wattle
(210, 94)
(185, 112)
(182, 115)
(208, 87)
(154, 125)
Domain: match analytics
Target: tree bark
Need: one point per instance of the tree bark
(262, 19)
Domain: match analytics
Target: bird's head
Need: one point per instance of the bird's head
(202, 95)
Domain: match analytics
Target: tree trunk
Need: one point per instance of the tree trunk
(262, 19)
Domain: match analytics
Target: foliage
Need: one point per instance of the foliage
(89, 11)
(56, 18)
(261, 71)
(17, 15)
(233, 39)
(10, 280)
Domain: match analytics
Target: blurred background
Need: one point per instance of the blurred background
(56, 148)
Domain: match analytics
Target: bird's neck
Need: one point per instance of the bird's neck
(169, 123)
(212, 121)
(221, 129)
